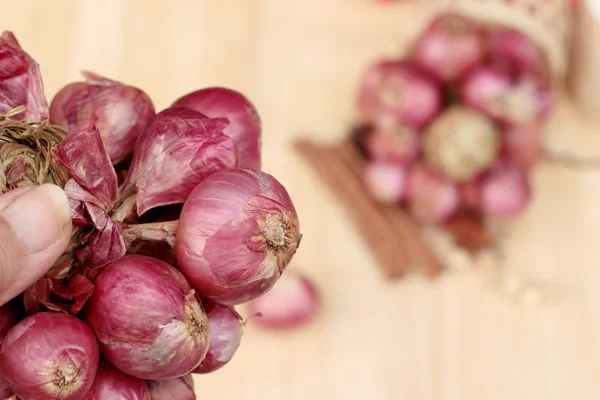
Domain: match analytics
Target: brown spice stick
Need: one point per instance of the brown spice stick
(365, 204)
(354, 179)
(401, 224)
(383, 244)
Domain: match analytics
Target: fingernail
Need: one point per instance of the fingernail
(40, 216)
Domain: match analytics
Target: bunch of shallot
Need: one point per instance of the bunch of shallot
(174, 225)
(456, 124)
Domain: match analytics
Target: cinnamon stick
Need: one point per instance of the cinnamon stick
(400, 223)
(392, 259)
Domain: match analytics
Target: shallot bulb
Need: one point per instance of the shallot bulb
(5, 392)
(397, 144)
(293, 302)
(173, 389)
(495, 93)
(386, 182)
(238, 231)
(8, 319)
(461, 144)
(178, 149)
(516, 52)
(167, 330)
(505, 192)
(431, 197)
(49, 356)
(522, 145)
(226, 332)
(245, 126)
(451, 47)
(399, 92)
(112, 384)
(120, 112)
(20, 81)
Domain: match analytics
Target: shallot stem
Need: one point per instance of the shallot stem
(256, 314)
(155, 231)
(125, 210)
(15, 111)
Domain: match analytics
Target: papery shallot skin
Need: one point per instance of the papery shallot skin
(121, 112)
(226, 332)
(8, 319)
(49, 356)
(395, 144)
(237, 233)
(431, 197)
(178, 149)
(173, 389)
(167, 332)
(293, 302)
(505, 192)
(515, 52)
(522, 145)
(20, 81)
(451, 46)
(5, 391)
(112, 384)
(505, 99)
(92, 193)
(245, 126)
(399, 92)
(386, 182)
(82, 153)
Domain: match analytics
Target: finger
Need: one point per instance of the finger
(35, 229)
(11, 196)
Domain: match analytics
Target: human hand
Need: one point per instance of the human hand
(35, 228)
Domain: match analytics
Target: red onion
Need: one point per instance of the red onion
(20, 81)
(244, 127)
(112, 384)
(120, 112)
(173, 389)
(293, 302)
(398, 144)
(166, 329)
(237, 233)
(514, 51)
(49, 356)
(431, 197)
(522, 145)
(450, 47)
(386, 182)
(400, 92)
(505, 192)
(179, 148)
(8, 319)
(225, 337)
(493, 92)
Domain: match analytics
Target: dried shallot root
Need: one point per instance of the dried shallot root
(174, 224)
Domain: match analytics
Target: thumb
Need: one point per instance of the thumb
(35, 228)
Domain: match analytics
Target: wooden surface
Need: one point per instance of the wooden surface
(459, 338)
